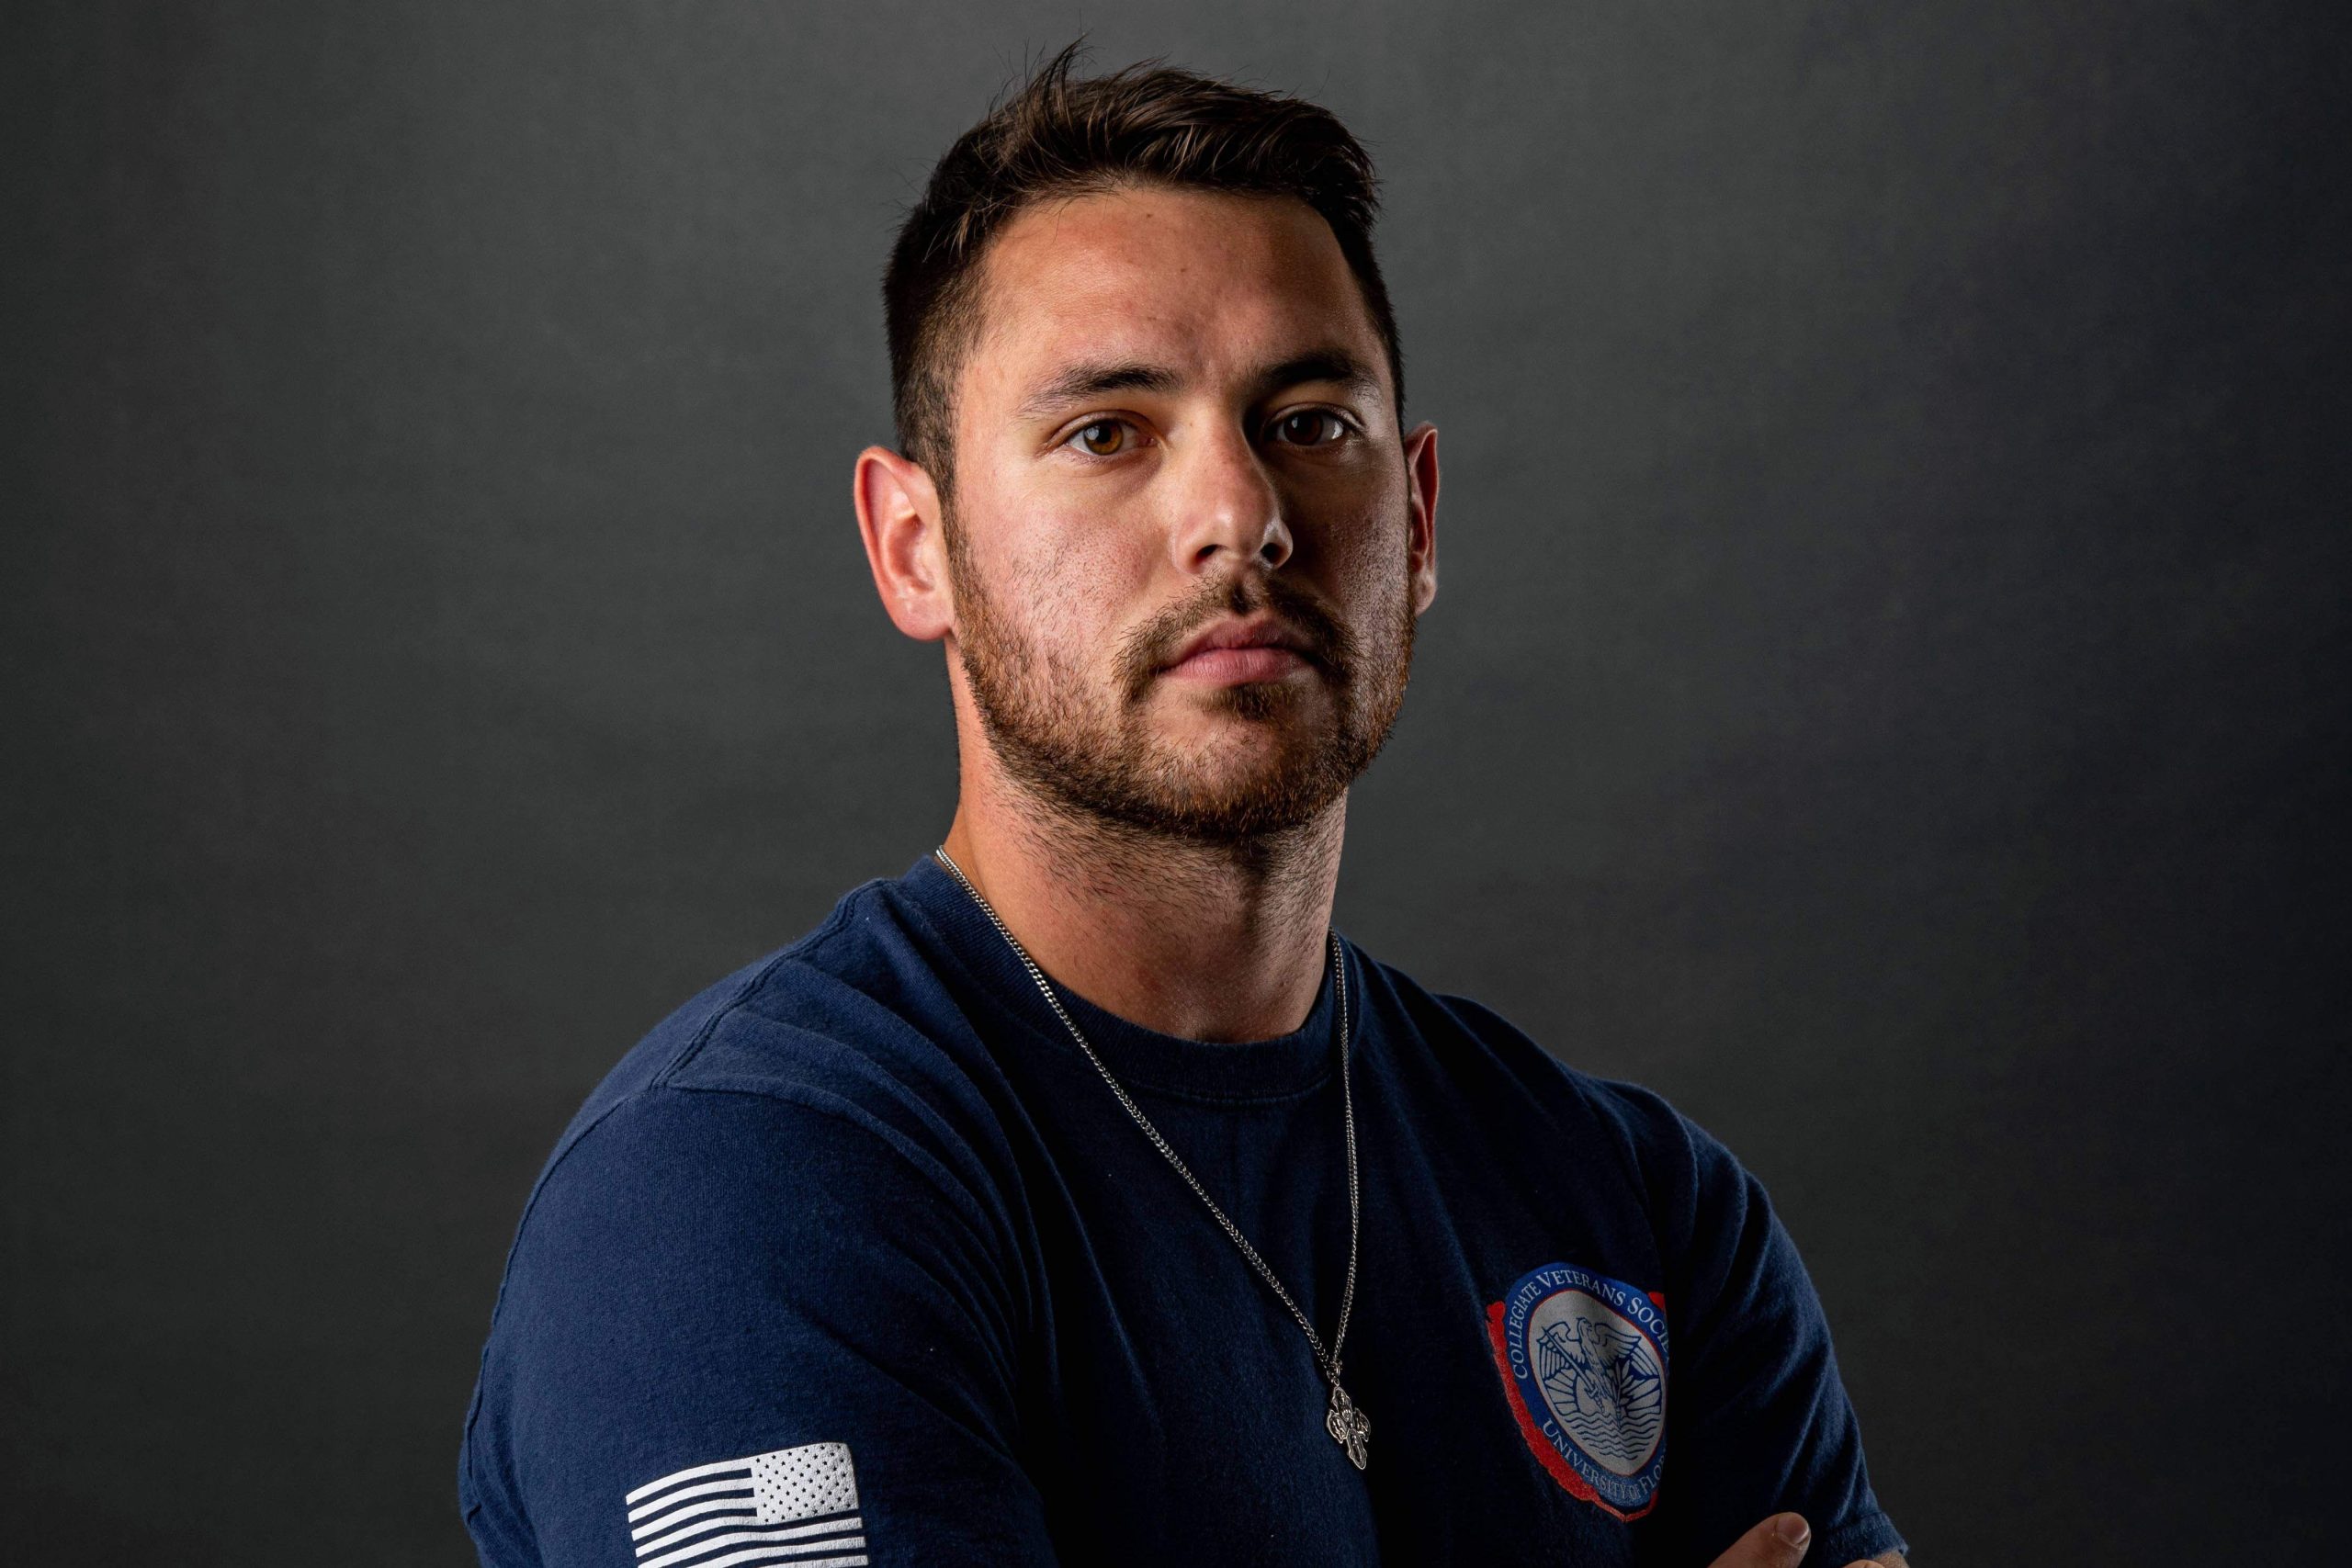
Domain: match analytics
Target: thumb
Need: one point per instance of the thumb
(1778, 1542)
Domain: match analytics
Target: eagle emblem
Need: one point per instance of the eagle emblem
(1583, 1360)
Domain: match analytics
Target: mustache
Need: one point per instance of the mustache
(1329, 645)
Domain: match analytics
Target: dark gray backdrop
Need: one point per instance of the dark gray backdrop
(1886, 690)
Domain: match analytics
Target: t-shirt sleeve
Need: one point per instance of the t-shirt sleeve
(1757, 1420)
(745, 1330)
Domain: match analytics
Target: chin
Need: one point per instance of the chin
(1261, 706)
(1223, 756)
(1270, 791)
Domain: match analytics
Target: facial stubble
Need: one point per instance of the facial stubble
(1047, 721)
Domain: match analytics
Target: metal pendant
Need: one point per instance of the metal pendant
(1350, 1428)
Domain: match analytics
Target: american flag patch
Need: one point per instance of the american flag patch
(727, 1514)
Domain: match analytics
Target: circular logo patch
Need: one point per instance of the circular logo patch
(1583, 1360)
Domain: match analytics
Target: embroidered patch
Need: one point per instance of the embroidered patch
(1583, 1364)
(690, 1514)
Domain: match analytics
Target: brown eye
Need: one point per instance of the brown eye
(1104, 438)
(1309, 427)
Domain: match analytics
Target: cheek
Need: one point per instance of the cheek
(1081, 580)
(1367, 551)
(1361, 497)
(1067, 575)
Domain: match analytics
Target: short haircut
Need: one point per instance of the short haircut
(1055, 137)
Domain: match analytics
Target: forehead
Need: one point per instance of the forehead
(1208, 284)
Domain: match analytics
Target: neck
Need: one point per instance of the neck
(1222, 941)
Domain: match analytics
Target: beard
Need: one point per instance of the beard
(1088, 750)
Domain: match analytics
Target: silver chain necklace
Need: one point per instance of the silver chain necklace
(1348, 1425)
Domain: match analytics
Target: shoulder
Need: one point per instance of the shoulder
(838, 1036)
(1724, 1256)
(813, 1103)
(784, 1135)
(1481, 1052)
(729, 1259)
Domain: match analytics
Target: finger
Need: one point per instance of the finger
(1776, 1542)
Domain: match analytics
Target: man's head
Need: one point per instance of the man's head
(1058, 137)
(1147, 388)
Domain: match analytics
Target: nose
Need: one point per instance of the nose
(1227, 506)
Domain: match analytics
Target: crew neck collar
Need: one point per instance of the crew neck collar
(1143, 1059)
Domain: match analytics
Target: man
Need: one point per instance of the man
(1080, 1196)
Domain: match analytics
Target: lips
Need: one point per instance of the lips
(1252, 641)
(1229, 666)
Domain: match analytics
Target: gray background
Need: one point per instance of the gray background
(1886, 690)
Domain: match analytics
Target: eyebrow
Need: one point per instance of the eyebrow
(1083, 382)
(1086, 381)
(1321, 365)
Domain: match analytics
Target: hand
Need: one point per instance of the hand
(1780, 1542)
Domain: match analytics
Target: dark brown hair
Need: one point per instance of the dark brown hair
(1059, 137)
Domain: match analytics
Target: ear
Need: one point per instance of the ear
(898, 514)
(1420, 539)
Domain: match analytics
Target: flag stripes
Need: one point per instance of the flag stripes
(748, 1513)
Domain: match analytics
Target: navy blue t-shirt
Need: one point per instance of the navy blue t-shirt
(855, 1258)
